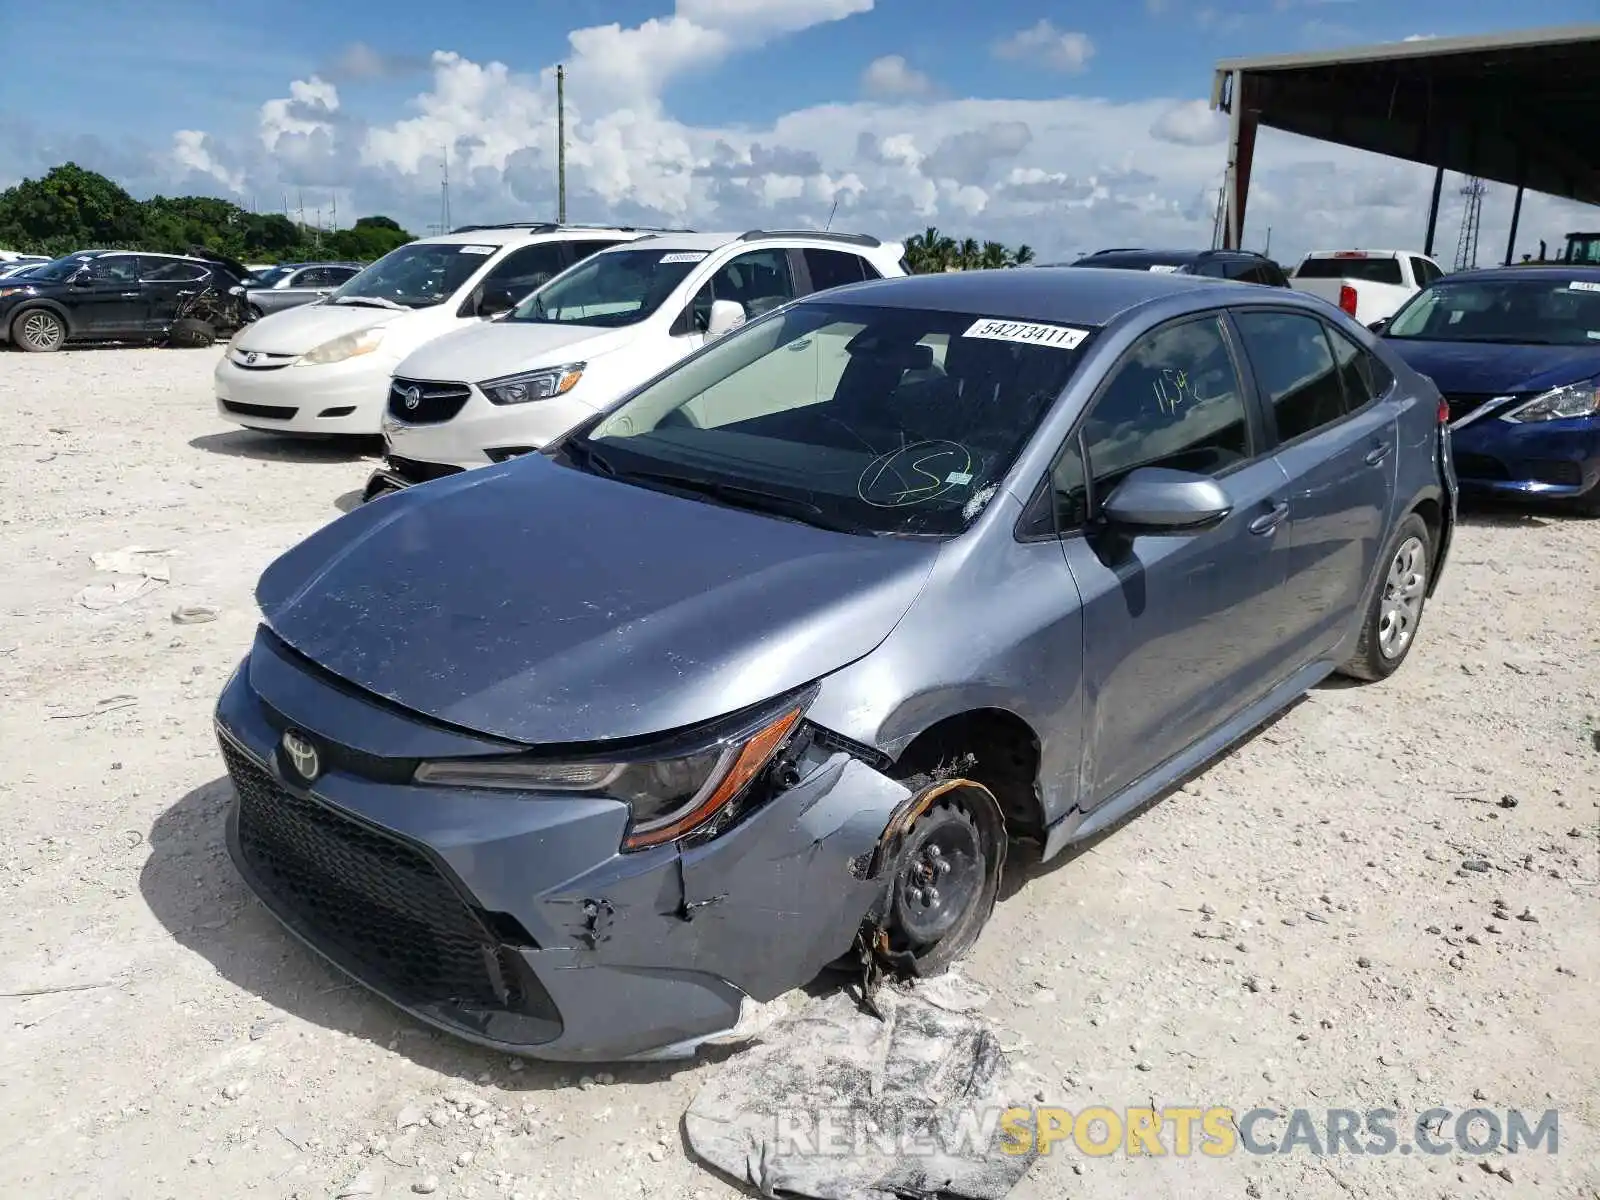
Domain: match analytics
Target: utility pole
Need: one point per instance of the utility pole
(334, 201)
(561, 143)
(444, 194)
(1267, 252)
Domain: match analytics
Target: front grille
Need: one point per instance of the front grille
(1481, 466)
(435, 402)
(414, 470)
(372, 903)
(273, 412)
(1462, 403)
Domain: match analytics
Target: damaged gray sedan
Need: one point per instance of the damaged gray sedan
(583, 755)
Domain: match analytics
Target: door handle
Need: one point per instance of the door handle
(186, 292)
(130, 295)
(1377, 454)
(1268, 521)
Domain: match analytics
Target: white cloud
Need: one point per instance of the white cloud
(1044, 43)
(1192, 123)
(1420, 37)
(1065, 174)
(892, 76)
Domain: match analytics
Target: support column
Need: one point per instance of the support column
(1433, 212)
(1242, 125)
(1516, 217)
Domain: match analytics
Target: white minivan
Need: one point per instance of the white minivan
(324, 368)
(591, 335)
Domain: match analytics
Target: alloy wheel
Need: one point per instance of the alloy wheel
(42, 331)
(1402, 598)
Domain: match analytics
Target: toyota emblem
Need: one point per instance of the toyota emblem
(413, 397)
(302, 755)
(250, 359)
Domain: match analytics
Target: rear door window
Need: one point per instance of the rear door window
(1369, 270)
(834, 268)
(1295, 369)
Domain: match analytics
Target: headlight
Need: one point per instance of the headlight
(11, 291)
(349, 346)
(1573, 400)
(533, 385)
(668, 796)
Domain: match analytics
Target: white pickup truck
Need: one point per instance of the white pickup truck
(1370, 285)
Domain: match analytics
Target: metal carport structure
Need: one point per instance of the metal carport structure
(1516, 108)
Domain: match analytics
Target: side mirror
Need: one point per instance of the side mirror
(496, 301)
(1379, 325)
(1156, 498)
(726, 316)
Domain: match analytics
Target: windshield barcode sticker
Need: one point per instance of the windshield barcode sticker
(684, 256)
(996, 329)
(1163, 268)
(1583, 285)
(479, 249)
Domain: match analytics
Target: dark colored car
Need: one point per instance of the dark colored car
(581, 755)
(1516, 352)
(1242, 266)
(119, 295)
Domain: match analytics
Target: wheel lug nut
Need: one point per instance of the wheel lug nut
(944, 867)
(930, 896)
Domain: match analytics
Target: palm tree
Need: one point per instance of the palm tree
(967, 254)
(1022, 256)
(929, 252)
(994, 256)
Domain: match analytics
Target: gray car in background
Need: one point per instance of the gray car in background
(292, 284)
(762, 669)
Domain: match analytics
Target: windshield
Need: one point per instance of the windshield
(417, 275)
(1548, 311)
(609, 289)
(871, 420)
(1122, 260)
(61, 269)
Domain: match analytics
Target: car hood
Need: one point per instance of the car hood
(297, 330)
(498, 348)
(536, 603)
(1501, 370)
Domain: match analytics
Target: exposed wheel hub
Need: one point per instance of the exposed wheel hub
(941, 875)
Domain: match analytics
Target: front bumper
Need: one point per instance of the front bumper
(514, 921)
(1548, 459)
(342, 398)
(482, 433)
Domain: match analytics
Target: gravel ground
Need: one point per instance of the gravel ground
(1388, 898)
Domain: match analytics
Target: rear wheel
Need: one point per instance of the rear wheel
(39, 331)
(1394, 614)
(252, 314)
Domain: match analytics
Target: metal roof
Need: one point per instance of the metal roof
(1517, 108)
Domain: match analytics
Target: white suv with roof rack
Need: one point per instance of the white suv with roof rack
(593, 334)
(324, 368)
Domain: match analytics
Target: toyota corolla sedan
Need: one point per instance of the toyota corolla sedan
(585, 755)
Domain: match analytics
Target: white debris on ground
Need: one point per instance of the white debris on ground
(1297, 927)
(840, 1103)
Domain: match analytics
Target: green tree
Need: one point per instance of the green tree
(70, 209)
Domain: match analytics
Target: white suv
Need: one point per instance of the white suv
(590, 336)
(325, 367)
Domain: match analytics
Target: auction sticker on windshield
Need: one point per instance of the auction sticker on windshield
(1583, 285)
(479, 249)
(684, 256)
(1062, 337)
(1163, 268)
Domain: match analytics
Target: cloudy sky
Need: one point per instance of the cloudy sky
(1068, 127)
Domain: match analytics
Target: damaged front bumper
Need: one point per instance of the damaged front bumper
(515, 921)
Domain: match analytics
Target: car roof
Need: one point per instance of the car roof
(1579, 271)
(1083, 296)
(505, 235)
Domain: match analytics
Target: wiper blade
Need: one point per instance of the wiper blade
(755, 499)
(588, 457)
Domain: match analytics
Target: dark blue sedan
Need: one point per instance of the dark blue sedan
(1516, 353)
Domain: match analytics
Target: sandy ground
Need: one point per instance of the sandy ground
(1293, 929)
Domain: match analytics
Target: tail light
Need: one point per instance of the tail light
(1444, 411)
(1347, 299)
